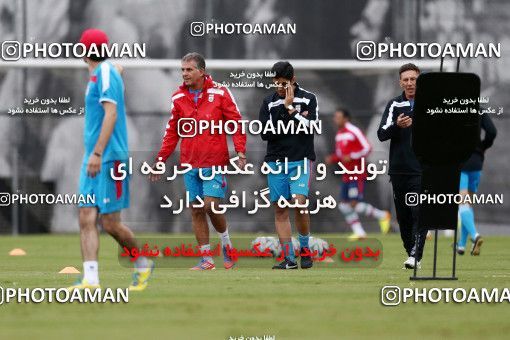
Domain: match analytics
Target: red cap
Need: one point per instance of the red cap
(93, 36)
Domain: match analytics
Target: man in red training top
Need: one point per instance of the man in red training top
(199, 98)
(350, 148)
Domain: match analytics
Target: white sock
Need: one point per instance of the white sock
(206, 247)
(90, 272)
(225, 239)
(142, 264)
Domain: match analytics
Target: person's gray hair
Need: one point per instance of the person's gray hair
(197, 58)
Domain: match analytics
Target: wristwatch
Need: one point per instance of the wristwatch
(290, 107)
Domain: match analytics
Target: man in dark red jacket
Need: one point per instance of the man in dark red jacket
(200, 99)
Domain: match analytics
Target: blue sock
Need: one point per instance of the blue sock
(463, 236)
(303, 240)
(468, 219)
(288, 251)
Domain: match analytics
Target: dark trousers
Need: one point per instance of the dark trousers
(407, 216)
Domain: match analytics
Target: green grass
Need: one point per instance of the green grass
(320, 303)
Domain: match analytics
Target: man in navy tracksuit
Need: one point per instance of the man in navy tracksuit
(404, 169)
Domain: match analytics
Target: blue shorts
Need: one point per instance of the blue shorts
(281, 185)
(469, 180)
(110, 195)
(352, 190)
(195, 186)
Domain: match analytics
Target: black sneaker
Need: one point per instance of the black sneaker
(477, 244)
(286, 264)
(306, 260)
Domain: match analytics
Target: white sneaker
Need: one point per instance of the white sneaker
(409, 263)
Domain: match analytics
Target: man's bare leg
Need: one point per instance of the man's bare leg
(123, 235)
(199, 225)
(218, 221)
(125, 238)
(282, 223)
(119, 231)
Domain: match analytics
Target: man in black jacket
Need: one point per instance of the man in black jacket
(469, 180)
(404, 168)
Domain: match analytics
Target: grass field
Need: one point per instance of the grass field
(320, 303)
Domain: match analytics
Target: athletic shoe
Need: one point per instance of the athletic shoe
(306, 260)
(141, 278)
(409, 263)
(228, 263)
(81, 283)
(477, 244)
(461, 250)
(204, 265)
(286, 264)
(385, 223)
(356, 237)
